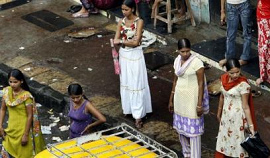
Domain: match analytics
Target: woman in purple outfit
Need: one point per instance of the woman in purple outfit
(81, 112)
(189, 99)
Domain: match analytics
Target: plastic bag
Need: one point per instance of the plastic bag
(255, 146)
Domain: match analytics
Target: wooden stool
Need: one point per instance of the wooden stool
(169, 11)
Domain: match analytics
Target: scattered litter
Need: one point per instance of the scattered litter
(155, 77)
(61, 114)
(67, 40)
(58, 139)
(38, 105)
(102, 46)
(54, 80)
(83, 32)
(57, 17)
(41, 3)
(31, 78)
(46, 129)
(75, 67)
(53, 124)
(21, 48)
(2, 16)
(90, 69)
(148, 39)
(55, 119)
(27, 69)
(64, 128)
(12, 10)
(55, 60)
(214, 87)
(50, 111)
(204, 40)
(99, 36)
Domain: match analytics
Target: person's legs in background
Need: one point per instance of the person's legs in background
(263, 50)
(87, 7)
(245, 13)
(232, 26)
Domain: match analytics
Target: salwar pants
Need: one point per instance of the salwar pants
(191, 146)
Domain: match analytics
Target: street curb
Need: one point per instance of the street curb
(43, 94)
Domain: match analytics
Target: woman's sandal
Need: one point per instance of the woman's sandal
(138, 124)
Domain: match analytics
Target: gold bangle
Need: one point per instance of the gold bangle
(199, 107)
(172, 91)
(250, 125)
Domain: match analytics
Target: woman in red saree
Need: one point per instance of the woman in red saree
(263, 21)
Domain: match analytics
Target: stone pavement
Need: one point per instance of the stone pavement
(52, 60)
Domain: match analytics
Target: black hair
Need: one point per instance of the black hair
(131, 4)
(232, 63)
(18, 75)
(76, 89)
(183, 43)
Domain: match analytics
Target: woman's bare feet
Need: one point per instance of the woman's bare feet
(138, 123)
(243, 62)
(83, 13)
(259, 81)
(222, 62)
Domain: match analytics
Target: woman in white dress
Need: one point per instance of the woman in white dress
(235, 112)
(189, 99)
(134, 88)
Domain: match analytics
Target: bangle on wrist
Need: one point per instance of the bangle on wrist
(250, 125)
(172, 91)
(199, 107)
(121, 41)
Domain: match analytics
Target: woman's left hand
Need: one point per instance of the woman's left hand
(86, 129)
(199, 110)
(24, 140)
(251, 129)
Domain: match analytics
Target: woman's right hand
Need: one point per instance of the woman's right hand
(116, 41)
(2, 133)
(170, 107)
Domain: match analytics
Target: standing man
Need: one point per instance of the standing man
(236, 9)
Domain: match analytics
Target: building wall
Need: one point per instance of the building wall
(200, 9)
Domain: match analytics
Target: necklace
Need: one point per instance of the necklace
(16, 93)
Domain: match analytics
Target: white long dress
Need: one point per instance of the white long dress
(134, 88)
(233, 122)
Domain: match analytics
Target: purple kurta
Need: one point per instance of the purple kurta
(80, 119)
